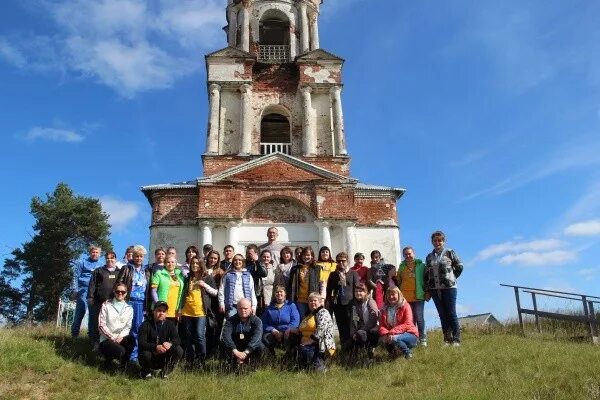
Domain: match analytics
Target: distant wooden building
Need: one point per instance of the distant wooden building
(479, 321)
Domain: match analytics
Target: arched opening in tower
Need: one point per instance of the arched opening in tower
(274, 37)
(275, 134)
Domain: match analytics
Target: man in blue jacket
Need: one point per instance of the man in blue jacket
(81, 280)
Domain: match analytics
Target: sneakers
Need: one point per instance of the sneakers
(146, 375)
(423, 343)
(408, 355)
(456, 344)
(446, 344)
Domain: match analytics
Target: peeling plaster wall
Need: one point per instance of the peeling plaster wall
(178, 236)
(228, 72)
(321, 103)
(386, 240)
(230, 137)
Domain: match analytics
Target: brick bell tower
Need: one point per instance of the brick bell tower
(276, 147)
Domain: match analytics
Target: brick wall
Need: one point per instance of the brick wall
(376, 211)
(175, 207)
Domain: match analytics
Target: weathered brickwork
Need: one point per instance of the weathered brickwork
(376, 211)
(175, 207)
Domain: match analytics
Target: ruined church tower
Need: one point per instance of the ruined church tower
(275, 146)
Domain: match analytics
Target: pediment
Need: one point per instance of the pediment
(230, 52)
(318, 55)
(277, 167)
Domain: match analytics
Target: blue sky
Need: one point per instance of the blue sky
(488, 113)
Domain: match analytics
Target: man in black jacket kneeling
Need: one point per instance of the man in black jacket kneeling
(159, 343)
(241, 340)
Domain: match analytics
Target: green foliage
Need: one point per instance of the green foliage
(65, 225)
(47, 363)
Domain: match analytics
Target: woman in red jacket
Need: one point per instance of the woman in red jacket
(396, 327)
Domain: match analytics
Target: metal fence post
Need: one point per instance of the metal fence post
(594, 321)
(519, 310)
(535, 309)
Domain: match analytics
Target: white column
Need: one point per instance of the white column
(324, 233)
(213, 120)
(338, 121)
(314, 31)
(397, 249)
(349, 233)
(309, 139)
(304, 33)
(233, 235)
(206, 233)
(245, 45)
(245, 119)
(293, 44)
(232, 31)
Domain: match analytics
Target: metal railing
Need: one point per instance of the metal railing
(588, 318)
(269, 148)
(273, 53)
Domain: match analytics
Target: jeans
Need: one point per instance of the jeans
(404, 342)
(417, 308)
(80, 310)
(445, 302)
(195, 338)
(138, 318)
(309, 355)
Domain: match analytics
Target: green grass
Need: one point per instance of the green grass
(43, 363)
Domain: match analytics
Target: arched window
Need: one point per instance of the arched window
(275, 132)
(274, 37)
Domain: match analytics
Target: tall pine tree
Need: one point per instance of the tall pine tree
(40, 272)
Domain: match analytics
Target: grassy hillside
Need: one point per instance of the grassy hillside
(42, 363)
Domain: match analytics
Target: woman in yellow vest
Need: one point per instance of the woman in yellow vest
(196, 312)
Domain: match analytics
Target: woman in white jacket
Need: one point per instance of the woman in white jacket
(114, 323)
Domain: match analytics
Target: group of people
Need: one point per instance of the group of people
(241, 308)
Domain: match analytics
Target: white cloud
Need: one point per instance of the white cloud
(463, 309)
(120, 212)
(11, 54)
(129, 45)
(588, 274)
(585, 228)
(53, 134)
(535, 259)
(518, 247)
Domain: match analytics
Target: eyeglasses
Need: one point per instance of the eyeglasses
(120, 292)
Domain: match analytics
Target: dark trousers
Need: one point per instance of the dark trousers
(288, 344)
(195, 338)
(165, 361)
(120, 351)
(310, 356)
(93, 314)
(363, 340)
(342, 319)
(253, 358)
(213, 335)
(445, 302)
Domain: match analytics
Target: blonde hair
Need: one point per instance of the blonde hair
(138, 248)
(315, 295)
(391, 290)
